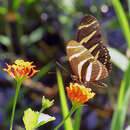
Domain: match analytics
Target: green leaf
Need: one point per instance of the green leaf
(43, 119)
(36, 35)
(44, 70)
(30, 119)
(63, 101)
(5, 40)
(34, 119)
(123, 99)
(120, 60)
(122, 20)
(33, 37)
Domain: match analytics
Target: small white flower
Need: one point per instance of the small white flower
(45, 117)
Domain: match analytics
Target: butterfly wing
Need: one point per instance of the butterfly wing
(84, 64)
(98, 84)
(89, 35)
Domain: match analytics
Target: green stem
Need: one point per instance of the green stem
(74, 107)
(42, 109)
(77, 119)
(14, 104)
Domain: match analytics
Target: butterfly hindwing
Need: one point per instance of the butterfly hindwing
(84, 64)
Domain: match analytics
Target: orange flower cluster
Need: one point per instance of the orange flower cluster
(79, 93)
(21, 70)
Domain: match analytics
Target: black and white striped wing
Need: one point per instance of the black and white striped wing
(89, 35)
(84, 64)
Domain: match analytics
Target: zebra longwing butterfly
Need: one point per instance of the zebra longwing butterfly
(89, 58)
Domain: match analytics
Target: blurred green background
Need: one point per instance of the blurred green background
(38, 31)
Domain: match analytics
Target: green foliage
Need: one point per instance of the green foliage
(5, 40)
(46, 103)
(77, 119)
(30, 119)
(63, 101)
(122, 20)
(123, 99)
(44, 70)
(34, 119)
(33, 37)
(120, 60)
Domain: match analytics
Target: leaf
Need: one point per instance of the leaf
(43, 119)
(44, 70)
(123, 99)
(5, 40)
(122, 20)
(63, 101)
(120, 60)
(34, 119)
(30, 119)
(33, 37)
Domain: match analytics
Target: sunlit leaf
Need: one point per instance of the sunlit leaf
(123, 99)
(33, 37)
(30, 119)
(63, 101)
(4, 40)
(120, 60)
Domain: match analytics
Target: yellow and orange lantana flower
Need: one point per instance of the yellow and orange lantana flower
(79, 93)
(21, 70)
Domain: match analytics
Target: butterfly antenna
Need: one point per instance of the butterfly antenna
(61, 66)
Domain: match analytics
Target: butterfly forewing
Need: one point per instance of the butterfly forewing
(89, 35)
(88, 32)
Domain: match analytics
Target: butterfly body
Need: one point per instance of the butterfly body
(89, 59)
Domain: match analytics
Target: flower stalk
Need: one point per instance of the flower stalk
(14, 104)
(73, 109)
(19, 71)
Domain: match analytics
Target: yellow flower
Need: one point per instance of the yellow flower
(79, 93)
(21, 70)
